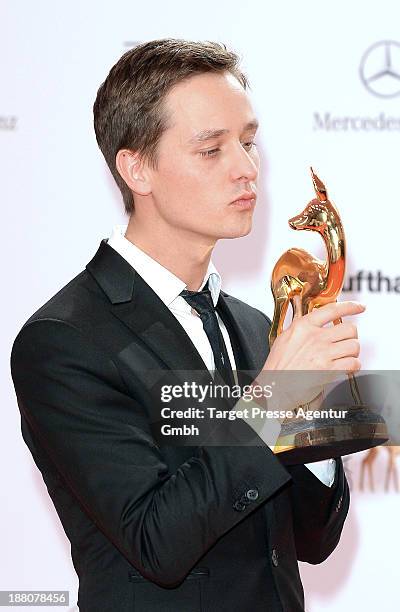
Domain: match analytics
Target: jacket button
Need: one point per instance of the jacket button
(274, 557)
(252, 494)
(238, 506)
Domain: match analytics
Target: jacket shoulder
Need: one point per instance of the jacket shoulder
(247, 310)
(74, 301)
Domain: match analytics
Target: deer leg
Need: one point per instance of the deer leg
(391, 474)
(355, 392)
(281, 299)
(362, 471)
(371, 478)
(387, 475)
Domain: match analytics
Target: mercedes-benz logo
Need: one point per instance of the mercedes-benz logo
(380, 69)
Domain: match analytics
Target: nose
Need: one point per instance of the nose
(244, 166)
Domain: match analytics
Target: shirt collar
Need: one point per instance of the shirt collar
(163, 282)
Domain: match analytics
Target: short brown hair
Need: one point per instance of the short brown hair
(128, 110)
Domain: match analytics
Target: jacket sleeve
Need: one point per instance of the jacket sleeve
(319, 512)
(99, 439)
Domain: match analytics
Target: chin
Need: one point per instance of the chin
(236, 232)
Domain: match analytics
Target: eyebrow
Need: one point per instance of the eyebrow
(205, 135)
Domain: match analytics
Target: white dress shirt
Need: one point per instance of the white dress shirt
(168, 287)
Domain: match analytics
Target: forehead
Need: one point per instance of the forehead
(208, 101)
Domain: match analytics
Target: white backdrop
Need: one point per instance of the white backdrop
(58, 201)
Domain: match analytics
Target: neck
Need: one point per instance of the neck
(184, 253)
(335, 245)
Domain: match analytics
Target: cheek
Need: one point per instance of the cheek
(183, 178)
(178, 191)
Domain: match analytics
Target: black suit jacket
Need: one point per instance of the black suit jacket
(160, 528)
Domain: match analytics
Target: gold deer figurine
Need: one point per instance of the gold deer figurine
(298, 273)
(391, 468)
(305, 281)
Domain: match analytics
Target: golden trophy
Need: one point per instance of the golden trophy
(306, 282)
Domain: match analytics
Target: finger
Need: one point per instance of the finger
(297, 314)
(347, 364)
(345, 348)
(343, 331)
(330, 312)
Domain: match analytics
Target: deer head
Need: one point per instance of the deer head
(314, 217)
(319, 214)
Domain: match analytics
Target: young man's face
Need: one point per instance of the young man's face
(198, 180)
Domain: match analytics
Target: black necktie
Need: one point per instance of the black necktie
(201, 302)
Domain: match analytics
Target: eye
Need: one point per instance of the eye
(210, 153)
(249, 145)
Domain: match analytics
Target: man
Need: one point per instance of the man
(178, 528)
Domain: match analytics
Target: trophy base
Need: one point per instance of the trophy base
(303, 441)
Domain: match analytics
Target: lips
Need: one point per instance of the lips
(247, 195)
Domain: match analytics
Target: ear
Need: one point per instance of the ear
(133, 171)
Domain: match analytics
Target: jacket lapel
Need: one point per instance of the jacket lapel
(135, 304)
(250, 349)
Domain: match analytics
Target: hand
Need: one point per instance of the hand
(307, 345)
